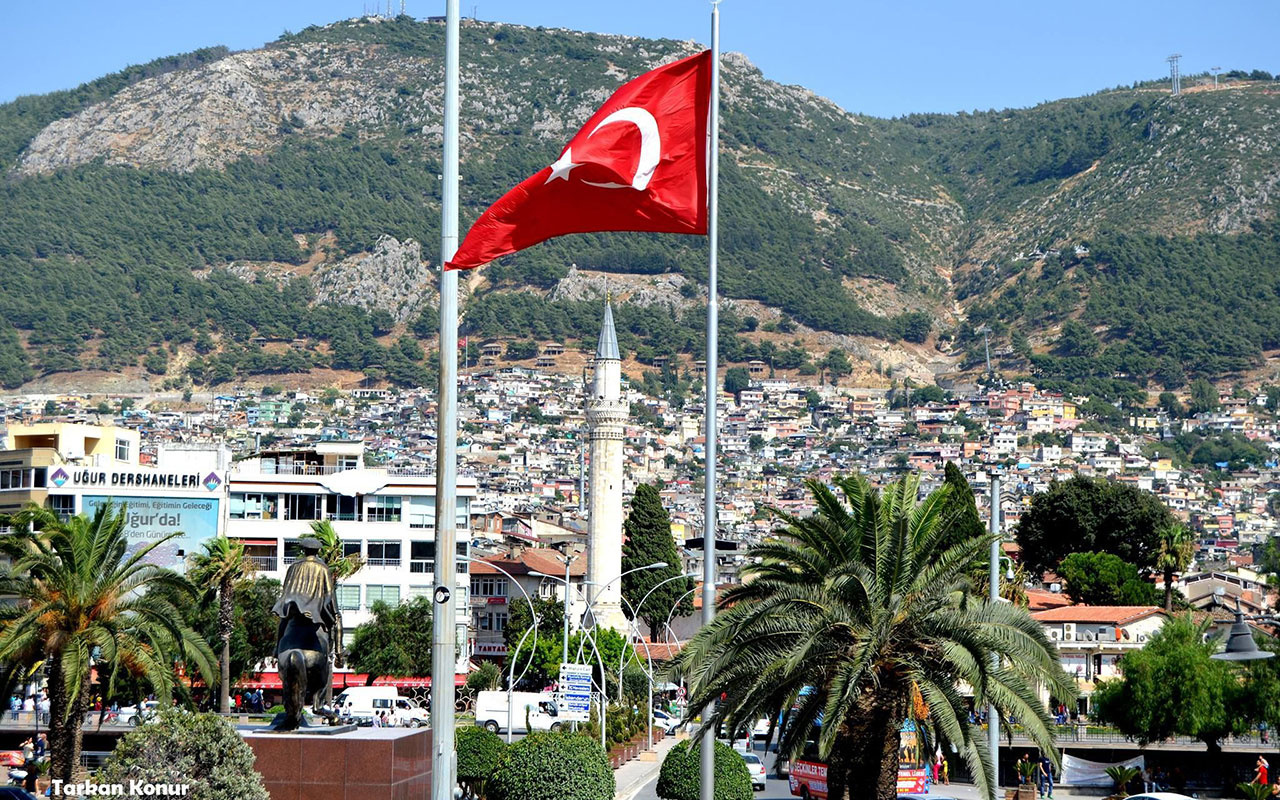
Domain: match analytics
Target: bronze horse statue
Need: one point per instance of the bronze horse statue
(310, 630)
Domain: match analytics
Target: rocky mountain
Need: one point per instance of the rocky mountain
(174, 217)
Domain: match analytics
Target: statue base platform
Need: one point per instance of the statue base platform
(309, 727)
(364, 763)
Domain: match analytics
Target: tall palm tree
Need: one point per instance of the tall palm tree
(341, 566)
(221, 567)
(85, 601)
(847, 615)
(1177, 546)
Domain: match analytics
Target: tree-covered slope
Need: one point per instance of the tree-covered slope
(174, 215)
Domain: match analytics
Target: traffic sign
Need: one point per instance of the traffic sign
(575, 692)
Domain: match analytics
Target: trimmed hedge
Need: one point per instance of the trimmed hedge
(552, 766)
(679, 777)
(202, 751)
(479, 751)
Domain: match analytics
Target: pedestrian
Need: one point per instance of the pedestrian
(1046, 776)
(1260, 774)
(377, 719)
(29, 704)
(15, 705)
(946, 772)
(41, 748)
(46, 708)
(1264, 732)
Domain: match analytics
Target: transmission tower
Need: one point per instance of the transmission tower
(1175, 78)
(986, 345)
(1215, 71)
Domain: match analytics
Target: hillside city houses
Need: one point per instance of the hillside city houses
(260, 466)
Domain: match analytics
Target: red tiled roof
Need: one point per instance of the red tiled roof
(1041, 600)
(537, 560)
(1111, 615)
(659, 651)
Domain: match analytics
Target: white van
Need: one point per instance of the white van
(366, 702)
(539, 709)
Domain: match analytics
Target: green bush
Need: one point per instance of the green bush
(276, 709)
(679, 776)
(552, 766)
(486, 678)
(478, 753)
(202, 751)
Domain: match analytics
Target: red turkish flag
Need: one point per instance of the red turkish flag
(639, 164)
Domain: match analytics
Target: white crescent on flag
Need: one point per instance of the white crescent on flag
(650, 150)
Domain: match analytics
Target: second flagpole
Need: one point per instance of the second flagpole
(707, 765)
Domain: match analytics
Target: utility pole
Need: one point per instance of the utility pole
(1175, 78)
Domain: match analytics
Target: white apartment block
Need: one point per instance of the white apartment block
(384, 515)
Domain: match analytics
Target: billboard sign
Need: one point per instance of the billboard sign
(149, 519)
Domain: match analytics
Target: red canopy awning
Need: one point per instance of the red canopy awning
(341, 680)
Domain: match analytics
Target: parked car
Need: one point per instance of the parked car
(668, 723)
(756, 767)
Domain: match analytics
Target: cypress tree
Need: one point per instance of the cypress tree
(648, 532)
(960, 515)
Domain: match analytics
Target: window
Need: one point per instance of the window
(487, 586)
(348, 597)
(15, 478)
(41, 477)
(247, 505)
(419, 591)
(493, 621)
(422, 557)
(383, 554)
(348, 462)
(387, 594)
(383, 509)
(302, 506)
(64, 505)
(122, 449)
(340, 507)
(350, 549)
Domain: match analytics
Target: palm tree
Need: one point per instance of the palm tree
(1176, 549)
(221, 567)
(341, 566)
(849, 615)
(83, 601)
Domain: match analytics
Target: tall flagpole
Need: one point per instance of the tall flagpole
(708, 755)
(443, 652)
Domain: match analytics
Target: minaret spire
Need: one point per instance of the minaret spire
(607, 413)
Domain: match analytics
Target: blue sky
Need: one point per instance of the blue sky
(886, 58)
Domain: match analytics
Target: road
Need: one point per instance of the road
(779, 790)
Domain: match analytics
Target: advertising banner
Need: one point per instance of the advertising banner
(150, 519)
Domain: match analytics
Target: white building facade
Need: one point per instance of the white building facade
(384, 515)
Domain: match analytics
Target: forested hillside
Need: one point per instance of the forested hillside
(173, 217)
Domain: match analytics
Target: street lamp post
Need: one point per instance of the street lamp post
(533, 614)
(1240, 643)
(672, 615)
(993, 716)
(635, 615)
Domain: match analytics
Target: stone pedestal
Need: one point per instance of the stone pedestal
(365, 764)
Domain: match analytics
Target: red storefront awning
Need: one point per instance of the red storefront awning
(341, 680)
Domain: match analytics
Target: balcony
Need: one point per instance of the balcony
(265, 563)
(382, 562)
(422, 565)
